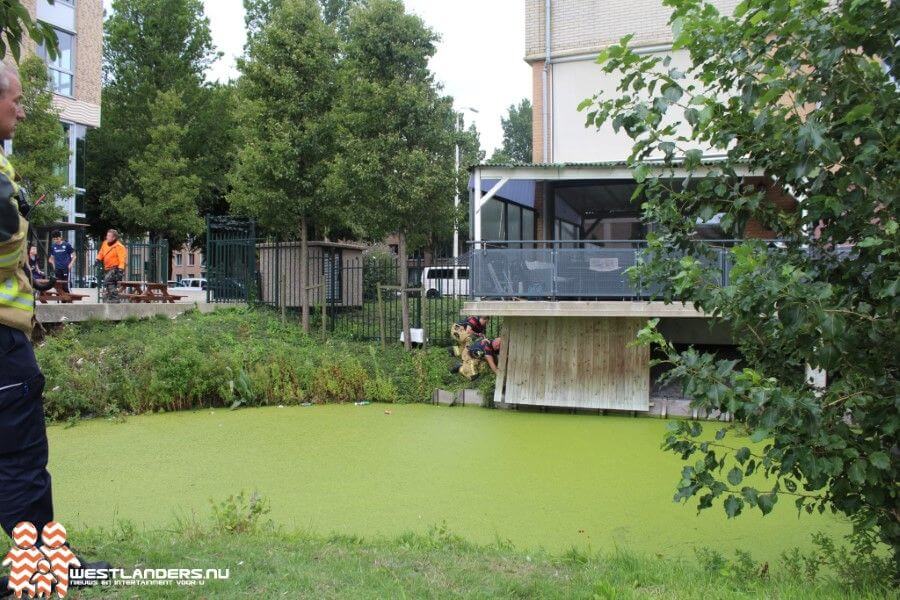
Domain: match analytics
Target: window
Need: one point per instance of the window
(492, 220)
(61, 69)
(191, 259)
(179, 259)
(79, 202)
(566, 231)
(64, 170)
(80, 135)
(527, 226)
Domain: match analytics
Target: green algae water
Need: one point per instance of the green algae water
(536, 480)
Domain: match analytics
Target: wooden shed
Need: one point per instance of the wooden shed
(339, 266)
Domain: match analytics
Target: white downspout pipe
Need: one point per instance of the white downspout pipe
(545, 120)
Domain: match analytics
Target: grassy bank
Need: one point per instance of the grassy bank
(227, 358)
(269, 563)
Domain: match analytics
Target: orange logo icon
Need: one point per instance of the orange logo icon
(40, 571)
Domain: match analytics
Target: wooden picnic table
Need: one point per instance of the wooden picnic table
(60, 293)
(141, 291)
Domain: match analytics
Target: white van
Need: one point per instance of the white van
(445, 281)
(191, 283)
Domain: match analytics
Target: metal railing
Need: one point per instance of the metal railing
(572, 269)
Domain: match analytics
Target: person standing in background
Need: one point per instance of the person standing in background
(62, 258)
(114, 258)
(36, 272)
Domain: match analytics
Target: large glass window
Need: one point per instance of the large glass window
(62, 68)
(514, 221)
(80, 149)
(492, 220)
(64, 170)
(527, 225)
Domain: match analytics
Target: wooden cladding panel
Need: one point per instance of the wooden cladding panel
(574, 363)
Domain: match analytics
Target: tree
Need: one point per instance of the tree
(803, 93)
(15, 22)
(285, 101)
(337, 12)
(42, 154)
(334, 12)
(397, 138)
(155, 46)
(517, 135)
(164, 198)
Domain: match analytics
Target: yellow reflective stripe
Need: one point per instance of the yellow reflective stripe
(11, 296)
(11, 258)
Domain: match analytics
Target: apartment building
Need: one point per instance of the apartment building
(187, 262)
(75, 80)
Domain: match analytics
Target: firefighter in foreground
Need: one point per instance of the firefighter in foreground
(113, 257)
(25, 491)
(465, 331)
(479, 352)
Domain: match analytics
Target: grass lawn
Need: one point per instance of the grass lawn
(269, 564)
(527, 479)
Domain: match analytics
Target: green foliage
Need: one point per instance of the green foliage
(239, 514)
(165, 195)
(155, 47)
(226, 359)
(15, 22)
(517, 134)
(41, 150)
(396, 132)
(284, 98)
(805, 93)
(271, 559)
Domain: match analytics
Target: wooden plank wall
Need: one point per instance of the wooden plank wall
(574, 362)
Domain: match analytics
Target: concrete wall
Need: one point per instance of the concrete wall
(575, 81)
(588, 26)
(580, 30)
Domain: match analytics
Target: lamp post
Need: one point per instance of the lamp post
(459, 129)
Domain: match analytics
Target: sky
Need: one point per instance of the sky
(478, 62)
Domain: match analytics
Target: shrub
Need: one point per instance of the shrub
(229, 358)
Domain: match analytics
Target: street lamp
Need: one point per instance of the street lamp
(459, 129)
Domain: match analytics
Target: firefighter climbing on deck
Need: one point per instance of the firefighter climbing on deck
(465, 331)
(479, 352)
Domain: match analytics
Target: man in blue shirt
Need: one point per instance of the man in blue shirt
(62, 257)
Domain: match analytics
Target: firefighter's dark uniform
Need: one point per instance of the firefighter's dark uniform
(473, 358)
(25, 493)
(459, 332)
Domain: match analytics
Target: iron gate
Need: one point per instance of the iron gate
(230, 259)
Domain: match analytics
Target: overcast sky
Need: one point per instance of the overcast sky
(479, 58)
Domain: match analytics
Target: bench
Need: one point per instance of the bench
(60, 294)
(141, 292)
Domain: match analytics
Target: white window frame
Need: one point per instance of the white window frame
(71, 73)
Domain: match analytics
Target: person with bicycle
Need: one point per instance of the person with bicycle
(114, 258)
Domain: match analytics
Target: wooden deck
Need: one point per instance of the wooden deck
(599, 308)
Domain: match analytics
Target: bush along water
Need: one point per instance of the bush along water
(230, 358)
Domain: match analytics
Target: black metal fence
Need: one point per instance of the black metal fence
(353, 286)
(146, 262)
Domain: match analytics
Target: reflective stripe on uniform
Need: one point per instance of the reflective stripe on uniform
(11, 296)
(10, 259)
